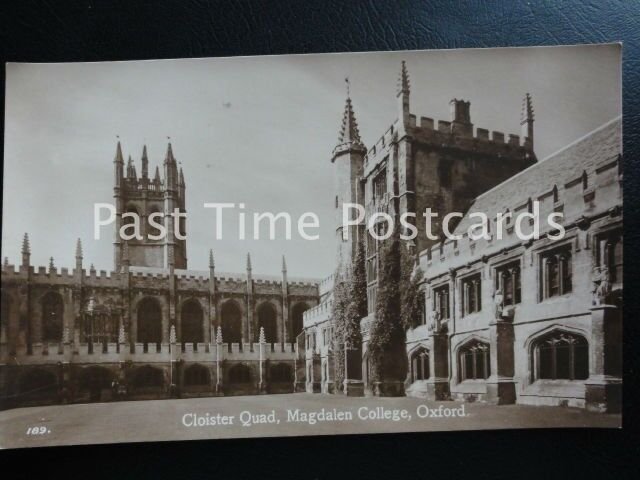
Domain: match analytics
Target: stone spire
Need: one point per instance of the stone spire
(403, 80)
(526, 121)
(402, 94)
(145, 163)
(79, 249)
(284, 264)
(131, 169)
(249, 262)
(78, 255)
(169, 157)
(26, 250)
(156, 177)
(181, 178)
(119, 158)
(211, 262)
(349, 132)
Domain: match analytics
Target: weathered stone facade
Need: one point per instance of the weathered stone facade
(143, 330)
(504, 320)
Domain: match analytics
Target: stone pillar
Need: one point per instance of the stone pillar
(316, 374)
(353, 384)
(603, 388)
(501, 389)
(438, 382)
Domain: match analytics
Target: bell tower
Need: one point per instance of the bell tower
(144, 197)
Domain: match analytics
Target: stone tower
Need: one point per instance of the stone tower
(348, 160)
(145, 196)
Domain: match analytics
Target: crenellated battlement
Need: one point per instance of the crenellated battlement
(582, 196)
(53, 353)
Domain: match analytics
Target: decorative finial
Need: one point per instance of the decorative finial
(248, 261)
(78, 249)
(121, 338)
(284, 264)
(172, 334)
(261, 339)
(26, 248)
(219, 336)
(403, 80)
(211, 262)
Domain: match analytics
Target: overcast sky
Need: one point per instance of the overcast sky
(258, 130)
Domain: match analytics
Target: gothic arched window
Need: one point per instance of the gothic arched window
(508, 281)
(556, 273)
(52, 316)
(149, 321)
(561, 355)
(231, 322)
(267, 319)
(297, 314)
(191, 327)
(473, 361)
(420, 365)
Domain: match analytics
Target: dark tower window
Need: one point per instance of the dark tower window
(196, 375)
(267, 319)
(149, 321)
(296, 319)
(473, 361)
(152, 230)
(231, 322)
(508, 281)
(52, 316)
(561, 355)
(191, 327)
(420, 365)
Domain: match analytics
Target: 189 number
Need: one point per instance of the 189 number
(38, 430)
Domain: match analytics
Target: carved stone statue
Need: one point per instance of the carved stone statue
(498, 302)
(601, 286)
(436, 324)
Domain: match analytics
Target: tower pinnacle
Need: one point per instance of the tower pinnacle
(526, 121)
(145, 163)
(78, 249)
(248, 262)
(211, 262)
(349, 132)
(119, 158)
(403, 80)
(284, 264)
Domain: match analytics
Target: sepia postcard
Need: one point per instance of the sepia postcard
(312, 245)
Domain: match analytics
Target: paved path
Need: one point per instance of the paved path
(157, 420)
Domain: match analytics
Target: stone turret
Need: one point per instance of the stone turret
(348, 160)
(526, 121)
